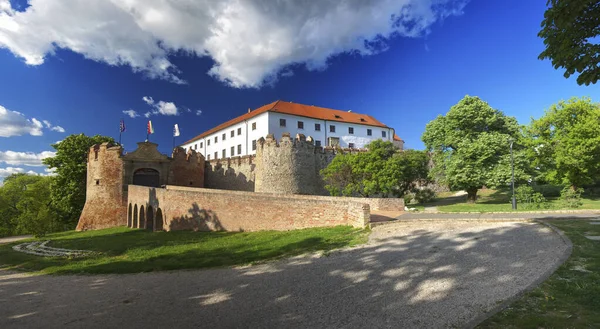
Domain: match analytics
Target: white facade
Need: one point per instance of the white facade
(346, 134)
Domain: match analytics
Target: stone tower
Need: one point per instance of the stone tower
(109, 173)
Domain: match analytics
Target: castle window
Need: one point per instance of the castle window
(208, 157)
(239, 131)
(383, 134)
(95, 154)
(317, 143)
(232, 133)
(254, 145)
(281, 122)
(216, 139)
(331, 128)
(216, 155)
(351, 145)
(232, 151)
(239, 149)
(195, 146)
(208, 142)
(224, 154)
(253, 125)
(97, 182)
(200, 144)
(317, 127)
(223, 138)
(351, 130)
(300, 125)
(369, 132)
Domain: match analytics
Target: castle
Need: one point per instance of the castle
(146, 189)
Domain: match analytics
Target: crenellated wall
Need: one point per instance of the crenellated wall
(236, 173)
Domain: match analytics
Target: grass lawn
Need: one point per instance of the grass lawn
(123, 250)
(497, 201)
(570, 298)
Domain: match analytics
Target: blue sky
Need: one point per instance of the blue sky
(83, 81)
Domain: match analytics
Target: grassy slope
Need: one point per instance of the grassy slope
(499, 201)
(122, 250)
(570, 298)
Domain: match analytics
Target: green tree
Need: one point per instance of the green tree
(564, 144)
(25, 205)
(383, 170)
(470, 146)
(68, 187)
(568, 29)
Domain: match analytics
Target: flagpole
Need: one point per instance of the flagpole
(120, 130)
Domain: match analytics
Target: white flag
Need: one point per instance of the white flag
(176, 130)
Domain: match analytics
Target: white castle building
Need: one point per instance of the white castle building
(328, 127)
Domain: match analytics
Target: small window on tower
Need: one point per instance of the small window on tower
(97, 182)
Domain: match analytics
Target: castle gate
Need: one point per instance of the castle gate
(146, 177)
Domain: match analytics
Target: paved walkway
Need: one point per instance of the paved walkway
(497, 216)
(11, 239)
(410, 275)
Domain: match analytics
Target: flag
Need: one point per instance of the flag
(150, 128)
(122, 126)
(176, 130)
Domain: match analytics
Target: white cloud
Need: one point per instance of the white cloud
(160, 107)
(13, 123)
(58, 129)
(198, 112)
(131, 113)
(250, 41)
(148, 100)
(47, 123)
(5, 172)
(25, 158)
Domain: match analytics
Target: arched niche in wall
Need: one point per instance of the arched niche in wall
(146, 177)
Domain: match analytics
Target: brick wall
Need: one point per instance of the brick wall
(236, 173)
(383, 204)
(185, 208)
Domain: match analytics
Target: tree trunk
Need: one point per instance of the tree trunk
(471, 195)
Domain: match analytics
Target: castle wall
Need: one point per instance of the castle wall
(105, 204)
(186, 169)
(184, 208)
(237, 173)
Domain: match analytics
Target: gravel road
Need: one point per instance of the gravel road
(410, 275)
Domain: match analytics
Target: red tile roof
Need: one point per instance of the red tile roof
(397, 138)
(309, 111)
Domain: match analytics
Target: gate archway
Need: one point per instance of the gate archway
(146, 177)
(134, 224)
(150, 219)
(159, 226)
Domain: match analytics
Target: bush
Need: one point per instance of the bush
(547, 190)
(424, 195)
(528, 198)
(408, 198)
(571, 198)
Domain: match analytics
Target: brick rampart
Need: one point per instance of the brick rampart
(236, 173)
(184, 208)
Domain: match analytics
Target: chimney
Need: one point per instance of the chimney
(249, 110)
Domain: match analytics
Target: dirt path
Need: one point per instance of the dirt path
(11, 239)
(410, 275)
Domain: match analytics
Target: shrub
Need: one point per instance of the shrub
(549, 191)
(528, 198)
(424, 195)
(571, 198)
(408, 198)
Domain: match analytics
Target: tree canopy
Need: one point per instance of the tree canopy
(382, 171)
(565, 143)
(470, 146)
(69, 186)
(569, 30)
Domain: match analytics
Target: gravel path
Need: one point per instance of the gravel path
(410, 275)
(11, 239)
